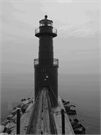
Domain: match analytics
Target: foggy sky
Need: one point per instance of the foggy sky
(77, 43)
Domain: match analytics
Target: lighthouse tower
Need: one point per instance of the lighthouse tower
(46, 66)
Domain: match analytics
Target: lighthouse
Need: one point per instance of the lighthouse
(46, 66)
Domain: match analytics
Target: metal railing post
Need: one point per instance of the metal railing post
(63, 121)
(18, 121)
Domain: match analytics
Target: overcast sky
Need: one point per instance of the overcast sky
(77, 43)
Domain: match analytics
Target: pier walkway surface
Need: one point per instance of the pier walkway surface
(40, 118)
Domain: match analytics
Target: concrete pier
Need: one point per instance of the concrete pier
(41, 118)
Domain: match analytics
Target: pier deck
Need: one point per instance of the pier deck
(40, 118)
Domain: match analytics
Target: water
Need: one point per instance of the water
(84, 92)
(81, 90)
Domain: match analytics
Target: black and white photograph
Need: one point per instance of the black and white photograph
(50, 67)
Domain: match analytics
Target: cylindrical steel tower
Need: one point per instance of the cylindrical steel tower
(46, 66)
